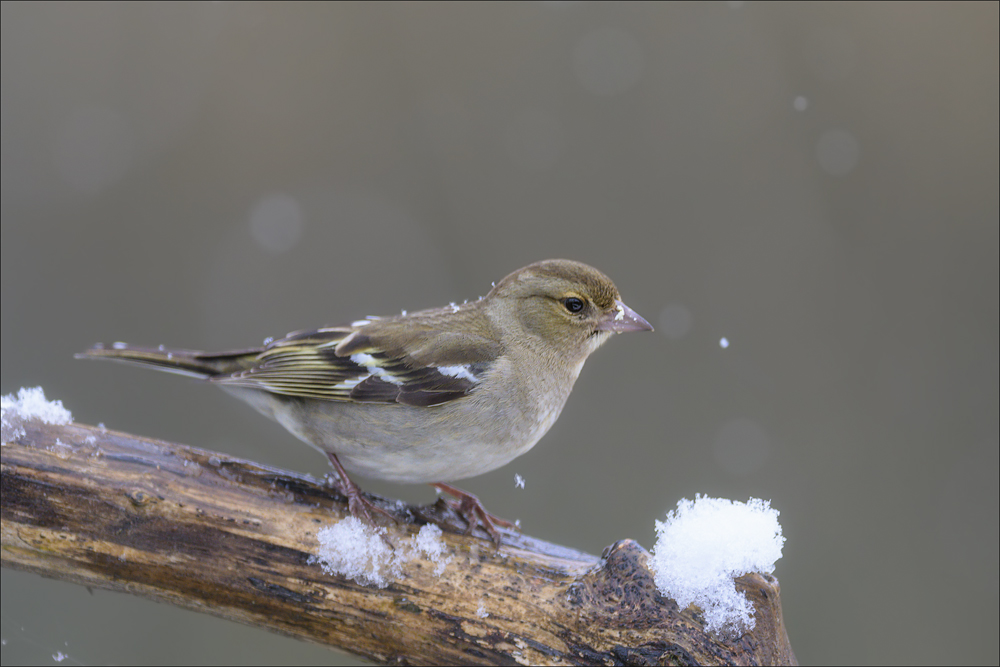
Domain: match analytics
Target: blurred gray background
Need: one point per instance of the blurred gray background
(815, 183)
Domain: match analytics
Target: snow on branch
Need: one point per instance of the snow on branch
(273, 549)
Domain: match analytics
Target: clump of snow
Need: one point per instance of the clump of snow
(704, 544)
(518, 481)
(358, 551)
(428, 542)
(29, 404)
(481, 610)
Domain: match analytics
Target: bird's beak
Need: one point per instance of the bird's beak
(623, 319)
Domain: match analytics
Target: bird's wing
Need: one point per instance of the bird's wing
(401, 362)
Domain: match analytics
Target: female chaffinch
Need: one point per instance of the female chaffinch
(432, 396)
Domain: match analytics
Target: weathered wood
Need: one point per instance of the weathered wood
(232, 538)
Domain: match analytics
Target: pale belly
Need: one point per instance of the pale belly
(395, 443)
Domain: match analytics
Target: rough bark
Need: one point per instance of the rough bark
(232, 538)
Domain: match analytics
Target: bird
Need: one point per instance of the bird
(432, 396)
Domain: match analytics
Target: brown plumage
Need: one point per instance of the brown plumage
(430, 396)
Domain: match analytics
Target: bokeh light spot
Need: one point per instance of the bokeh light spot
(276, 223)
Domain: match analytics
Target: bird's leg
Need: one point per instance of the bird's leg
(357, 504)
(469, 507)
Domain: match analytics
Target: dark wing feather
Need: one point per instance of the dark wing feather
(304, 365)
(414, 365)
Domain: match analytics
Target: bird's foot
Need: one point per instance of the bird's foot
(472, 511)
(357, 504)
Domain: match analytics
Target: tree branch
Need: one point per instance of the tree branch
(235, 539)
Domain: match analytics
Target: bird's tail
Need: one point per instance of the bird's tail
(192, 363)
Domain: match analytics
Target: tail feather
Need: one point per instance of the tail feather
(192, 363)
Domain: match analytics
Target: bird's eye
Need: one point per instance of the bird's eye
(573, 304)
